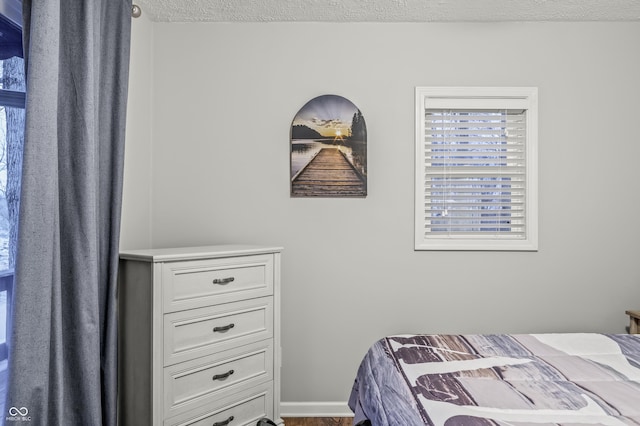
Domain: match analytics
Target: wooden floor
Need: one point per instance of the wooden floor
(318, 421)
(329, 173)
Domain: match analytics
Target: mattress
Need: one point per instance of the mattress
(518, 379)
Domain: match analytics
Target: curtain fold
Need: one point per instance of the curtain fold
(63, 347)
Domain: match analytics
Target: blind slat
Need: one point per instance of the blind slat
(475, 167)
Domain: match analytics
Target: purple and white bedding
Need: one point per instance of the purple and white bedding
(477, 380)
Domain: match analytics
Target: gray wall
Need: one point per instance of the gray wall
(137, 191)
(222, 98)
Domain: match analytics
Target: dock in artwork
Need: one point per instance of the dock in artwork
(329, 174)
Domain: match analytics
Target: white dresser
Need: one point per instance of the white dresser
(199, 336)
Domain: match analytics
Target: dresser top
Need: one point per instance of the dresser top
(194, 253)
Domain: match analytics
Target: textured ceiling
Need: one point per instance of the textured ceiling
(389, 10)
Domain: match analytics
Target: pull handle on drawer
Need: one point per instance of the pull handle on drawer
(223, 281)
(222, 376)
(223, 328)
(223, 423)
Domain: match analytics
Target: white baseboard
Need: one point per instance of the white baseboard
(315, 409)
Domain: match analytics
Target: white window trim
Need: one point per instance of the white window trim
(470, 98)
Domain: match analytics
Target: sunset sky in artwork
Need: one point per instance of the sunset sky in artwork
(329, 115)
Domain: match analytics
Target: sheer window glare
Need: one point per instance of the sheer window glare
(476, 169)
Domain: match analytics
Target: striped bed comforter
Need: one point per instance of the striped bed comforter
(527, 379)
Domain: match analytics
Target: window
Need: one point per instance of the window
(12, 103)
(476, 169)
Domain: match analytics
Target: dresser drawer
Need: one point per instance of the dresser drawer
(200, 381)
(199, 332)
(194, 284)
(242, 409)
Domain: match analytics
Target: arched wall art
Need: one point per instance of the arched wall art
(329, 149)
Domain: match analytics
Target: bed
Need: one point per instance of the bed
(518, 379)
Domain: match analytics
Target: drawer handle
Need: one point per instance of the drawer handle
(224, 423)
(223, 281)
(222, 376)
(223, 328)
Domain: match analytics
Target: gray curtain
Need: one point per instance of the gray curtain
(63, 353)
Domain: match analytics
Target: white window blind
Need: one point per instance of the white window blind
(475, 186)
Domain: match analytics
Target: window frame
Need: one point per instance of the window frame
(478, 98)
